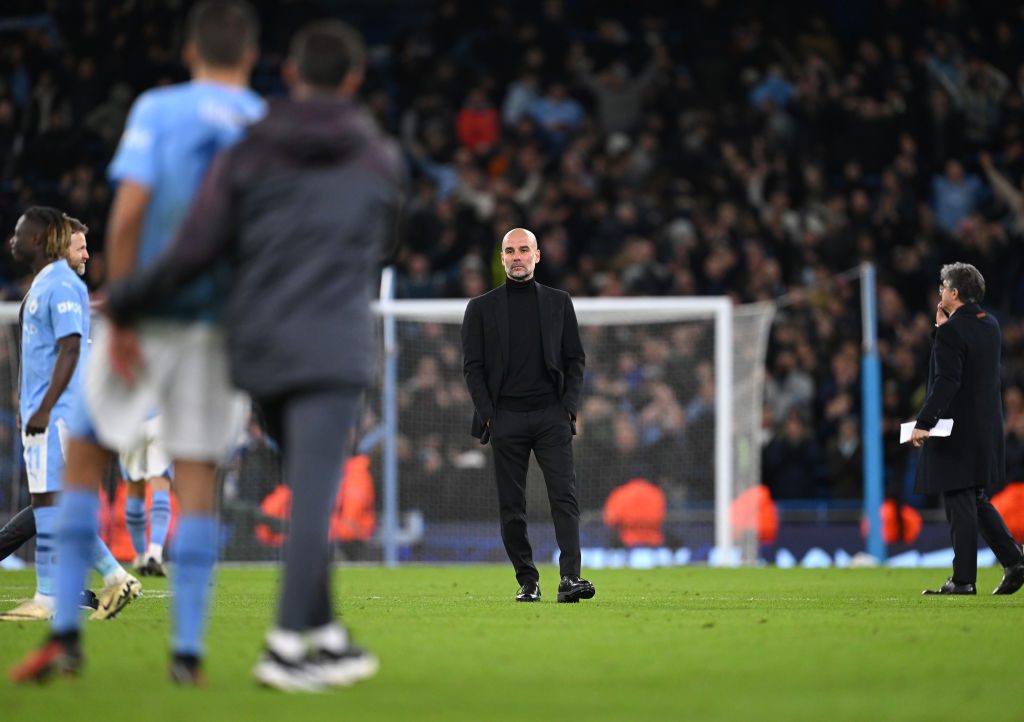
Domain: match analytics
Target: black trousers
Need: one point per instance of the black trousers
(19, 529)
(314, 431)
(548, 434)
(968, 512)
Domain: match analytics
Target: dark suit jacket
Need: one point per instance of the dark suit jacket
(485, 350)
(964, 384)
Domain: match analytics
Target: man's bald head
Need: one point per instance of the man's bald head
(517, 233)
(519, 254)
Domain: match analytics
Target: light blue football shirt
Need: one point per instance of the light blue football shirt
(57, 305)
(171, 136)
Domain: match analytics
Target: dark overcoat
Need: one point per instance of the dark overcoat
(964, 384)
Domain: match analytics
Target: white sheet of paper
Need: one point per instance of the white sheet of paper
(944, 427)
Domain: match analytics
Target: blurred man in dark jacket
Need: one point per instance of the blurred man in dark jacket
(301, 210)
(964, 384)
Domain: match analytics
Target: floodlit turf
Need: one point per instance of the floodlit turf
(672, 644)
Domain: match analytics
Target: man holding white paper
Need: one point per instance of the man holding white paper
(964, 385)
(944, 427)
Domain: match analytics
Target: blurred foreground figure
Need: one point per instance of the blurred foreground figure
(174, 360)
(301, 210)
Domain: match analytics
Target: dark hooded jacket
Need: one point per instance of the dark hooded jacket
(302, 210)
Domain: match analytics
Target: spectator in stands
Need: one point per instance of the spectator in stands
(521, 96)
(844, 461)
(1014, 450)
(977, 88)
(619, 97)
(476, 125)
(955, 195)
(789, 387)
(773, 89)
(792, 464)
(557, 115)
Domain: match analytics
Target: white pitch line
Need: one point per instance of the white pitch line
(156, 594)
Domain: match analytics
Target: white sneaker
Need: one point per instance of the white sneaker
(273, 670)
(29, 610)
(343, 669)
(152, 567)
(116, 596)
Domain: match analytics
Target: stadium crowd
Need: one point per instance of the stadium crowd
(704, 148)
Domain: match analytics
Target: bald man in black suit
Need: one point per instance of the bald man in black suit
(523, 361)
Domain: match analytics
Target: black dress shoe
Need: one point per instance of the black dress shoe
(951, 587)
(529, 592)
(1013, 579)
(572, 589)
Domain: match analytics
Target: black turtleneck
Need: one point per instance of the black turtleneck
(528, 385)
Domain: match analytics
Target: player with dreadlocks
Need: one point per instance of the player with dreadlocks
(54, 331)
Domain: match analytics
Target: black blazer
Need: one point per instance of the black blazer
(485, 350)
(964, 384)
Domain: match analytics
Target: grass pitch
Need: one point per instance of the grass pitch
(666, 644)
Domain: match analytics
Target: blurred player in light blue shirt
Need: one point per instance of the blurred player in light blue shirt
(176, 360)
(171, 137)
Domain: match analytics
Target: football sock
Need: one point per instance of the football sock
(159, 520)
(77, 523)
(155, 551)
(331, 637)
(287, 645)
(46, 532)
(135, 519)
(195, 552)
(105, 563)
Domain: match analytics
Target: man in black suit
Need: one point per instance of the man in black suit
(964, 384)
(523, 361)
